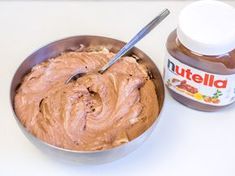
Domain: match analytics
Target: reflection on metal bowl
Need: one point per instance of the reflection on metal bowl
(70, 44)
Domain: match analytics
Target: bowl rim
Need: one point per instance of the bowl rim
(24, 129)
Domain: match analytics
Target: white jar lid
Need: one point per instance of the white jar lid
(207, 27)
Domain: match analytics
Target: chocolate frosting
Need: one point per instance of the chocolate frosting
(95, 112)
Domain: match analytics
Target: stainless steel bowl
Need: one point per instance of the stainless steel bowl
(73, 43)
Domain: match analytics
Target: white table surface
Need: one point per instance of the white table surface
(185, 142)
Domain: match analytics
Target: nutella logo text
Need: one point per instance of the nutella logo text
(206, 79)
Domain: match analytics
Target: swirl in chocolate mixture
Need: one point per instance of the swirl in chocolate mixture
(96, 111)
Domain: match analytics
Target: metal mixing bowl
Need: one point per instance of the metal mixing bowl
(73, 43)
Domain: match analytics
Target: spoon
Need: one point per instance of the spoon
(143, 32)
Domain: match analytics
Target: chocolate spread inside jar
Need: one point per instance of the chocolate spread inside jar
(200, 59)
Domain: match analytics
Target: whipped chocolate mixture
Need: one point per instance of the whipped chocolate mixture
(94, 112)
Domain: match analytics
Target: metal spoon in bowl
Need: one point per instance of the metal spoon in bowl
(143, 32)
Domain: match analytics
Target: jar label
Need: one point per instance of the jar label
(198, 85)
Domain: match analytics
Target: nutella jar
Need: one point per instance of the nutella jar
(200, 60)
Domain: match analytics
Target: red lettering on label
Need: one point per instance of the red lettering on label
(206, 79)
(211, 80)
(188, 74)
(221, 83)
(205, 82)
(197, 78)
(178, 72)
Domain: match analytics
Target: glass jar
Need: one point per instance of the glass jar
(200, 59)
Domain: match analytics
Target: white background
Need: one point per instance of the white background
(185, 142)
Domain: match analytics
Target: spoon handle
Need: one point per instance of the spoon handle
(143, 32)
